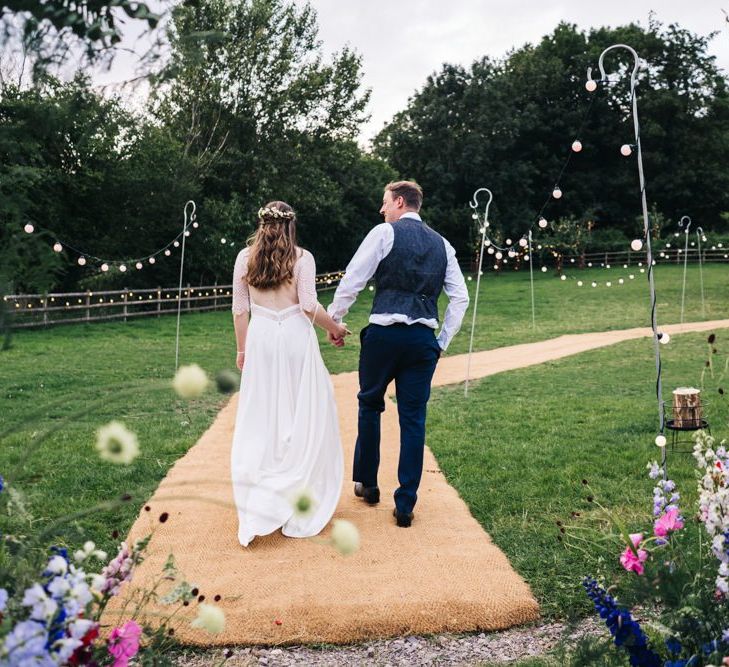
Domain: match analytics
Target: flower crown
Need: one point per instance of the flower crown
(269, 215)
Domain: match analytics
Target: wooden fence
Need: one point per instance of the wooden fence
(40, 310)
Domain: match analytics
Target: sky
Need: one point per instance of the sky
(402, 42)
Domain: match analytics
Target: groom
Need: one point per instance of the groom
(411, 264)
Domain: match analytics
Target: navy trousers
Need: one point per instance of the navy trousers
(407, 354)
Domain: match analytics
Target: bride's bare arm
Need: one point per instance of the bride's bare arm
(241, 306)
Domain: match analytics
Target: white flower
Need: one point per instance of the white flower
(80, 627)
(89, 550)
(303, 503)
(190, 381)
(345, 537)
(63, 649)
(43, 607)
(116, 443)
(57, 565)
(209, 618)
(98, 582)
(59, 587)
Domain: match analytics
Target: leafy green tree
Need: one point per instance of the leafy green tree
(509, 125)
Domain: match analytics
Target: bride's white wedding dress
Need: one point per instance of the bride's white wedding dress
(286, 437)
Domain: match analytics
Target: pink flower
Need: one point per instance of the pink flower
(628, 558)
(124, 643)
(668, 523)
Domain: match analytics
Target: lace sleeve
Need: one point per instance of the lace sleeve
(305, 274)
(241, 298)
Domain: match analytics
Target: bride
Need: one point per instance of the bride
(286, 440)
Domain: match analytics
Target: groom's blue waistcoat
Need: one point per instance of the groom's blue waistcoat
(410, 279)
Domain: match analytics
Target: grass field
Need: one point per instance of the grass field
(515, 451)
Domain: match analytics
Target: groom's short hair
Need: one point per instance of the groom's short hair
(410, 191)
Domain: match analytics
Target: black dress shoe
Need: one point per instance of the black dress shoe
(402, 519)
(370, 494)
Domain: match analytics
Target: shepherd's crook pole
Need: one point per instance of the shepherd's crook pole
(660, 440)
(484, 225)
(185, 225)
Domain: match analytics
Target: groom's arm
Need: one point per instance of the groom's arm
(455, 288)
(375, 247)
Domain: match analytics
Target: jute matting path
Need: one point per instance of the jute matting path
(441, 575)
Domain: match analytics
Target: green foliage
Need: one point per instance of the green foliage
(49, 31)
(508, 125)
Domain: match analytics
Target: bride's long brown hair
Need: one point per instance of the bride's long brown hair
(273, 247)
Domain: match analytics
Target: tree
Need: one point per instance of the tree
(508, 125)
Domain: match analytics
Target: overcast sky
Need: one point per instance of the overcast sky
(402, 42)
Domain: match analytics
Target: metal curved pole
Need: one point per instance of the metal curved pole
(474, 205)
(646, 228)
(185, 225)
(685, 220)
(699, 237)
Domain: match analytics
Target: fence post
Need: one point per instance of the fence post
(88, 303)
(45, 310)
(159, 301)
(125, 294)
(215, 296)
(189, 297)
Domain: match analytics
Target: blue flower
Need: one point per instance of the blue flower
(673, 645)
(626, 632)
(3, 599)
(26, 645)
(2, 483)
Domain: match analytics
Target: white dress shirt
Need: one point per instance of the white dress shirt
(375, 247)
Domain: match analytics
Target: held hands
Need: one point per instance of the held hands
(336, 337)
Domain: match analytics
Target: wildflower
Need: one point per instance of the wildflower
(632, 561)
(209, 618)
(89, 550)
(124, 643)
(2, 483)
(190, 381)
(116, 443)
(303, 503)
(3, 599)
(25, 644)
(670, 522)
(43, 608)
(118, 570)
(626, 632)
(345, 537)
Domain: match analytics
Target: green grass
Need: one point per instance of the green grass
(78, 373)
(517, 449)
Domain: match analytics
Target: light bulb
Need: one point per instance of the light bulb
(636, 245)
(523, 243)
(557, 193)
(82, 261)
(195, 225)
(608, 284)
(122, 268)
(168, 252)
(490, 251)
(620, 281)
(563, 277)
(543, 222)
(29, 229)
(631, 276)
(152, 260)
(487, 243)
(487, 225)
(474, 216)
(526, 258)
(499, 255)
(57, 247)
(661, 440)
(579, 283)
(591, 86)
(139, 265)
(508, 241)
(594, 284)
(187, 233)
(176, 244)
(223, 241)
(576, 146)
(544, 269)
(104, 267)
(512, 253)
(626, 150)
(664, 338)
